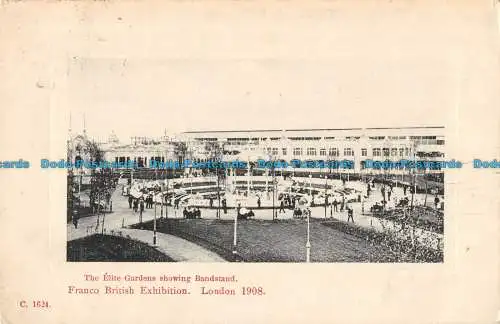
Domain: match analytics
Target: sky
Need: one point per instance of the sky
(232, 69)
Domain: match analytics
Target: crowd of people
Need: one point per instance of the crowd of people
(338, 200)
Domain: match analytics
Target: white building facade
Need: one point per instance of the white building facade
(355, 144)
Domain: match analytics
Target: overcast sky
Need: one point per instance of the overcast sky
(228, 69)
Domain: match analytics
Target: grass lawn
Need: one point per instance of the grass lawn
(108, 248)
(275, 241)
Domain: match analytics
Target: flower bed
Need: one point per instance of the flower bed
(423, 217)
(401, 245)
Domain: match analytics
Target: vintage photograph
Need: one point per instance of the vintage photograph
(282, 195)
(249, 162)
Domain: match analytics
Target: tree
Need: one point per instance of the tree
(95, 152)
(180, 150)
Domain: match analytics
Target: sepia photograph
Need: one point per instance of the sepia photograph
(249, 161)
(297, 195)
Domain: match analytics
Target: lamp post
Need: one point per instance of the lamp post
(267, 182)
(310, 185)
(217, 171)
(166, 199)
(235, 233)
(308, 243)
(161, 198)
(326, 196)
(218, 193)
(248, 178)
(154, 201)
(414, 175)
(274, 192)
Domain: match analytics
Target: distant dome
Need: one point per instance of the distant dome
(113, 138)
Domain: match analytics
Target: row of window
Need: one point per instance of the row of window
(390, 152)
(311, 151)
(417, 139)
(335, 152)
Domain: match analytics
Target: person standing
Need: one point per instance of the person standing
(75, 218)
(130, 200)
(258, 202)
(136, 205)
(389, 193)
(335, 205)
(282, 206)
(141, 210)
(350, 214)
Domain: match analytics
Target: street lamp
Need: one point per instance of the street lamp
(326, 196)
(414, 174)
(267, 182)
(154, 227)
(235, 234)
(274, 192)
(248, 177)
(154, 201)
(217, 158)
(166, 199)
(308, 243)
(190, 182)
